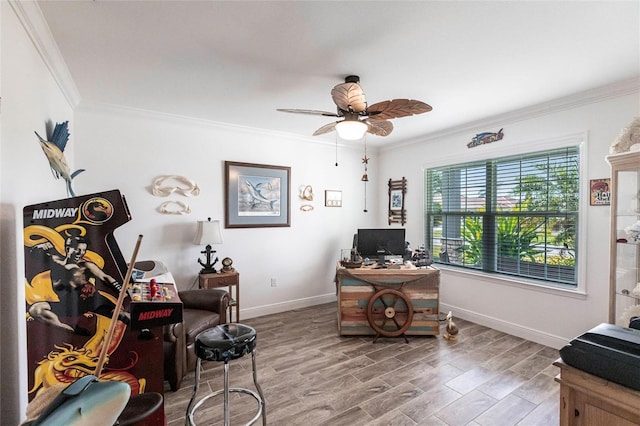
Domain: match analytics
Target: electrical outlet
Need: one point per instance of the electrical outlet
(274, 282)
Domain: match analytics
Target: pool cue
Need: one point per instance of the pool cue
(116, 311)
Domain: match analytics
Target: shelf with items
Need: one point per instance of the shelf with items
(627, 282)
(624, 276)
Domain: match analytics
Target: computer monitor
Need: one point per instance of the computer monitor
(378, 243)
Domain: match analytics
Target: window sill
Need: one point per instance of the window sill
(559, 290)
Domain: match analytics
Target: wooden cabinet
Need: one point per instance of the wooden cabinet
(624, 276)
(231, 280)
(588, 400)
(363, 289)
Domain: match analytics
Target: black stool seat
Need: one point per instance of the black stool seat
(139, 408)
(225, 342)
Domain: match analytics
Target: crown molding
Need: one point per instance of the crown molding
(125, 111)
(32, 19)
(598, 94)
(30, 15)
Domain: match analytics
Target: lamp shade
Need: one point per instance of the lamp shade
(208, 232)
(351, 129)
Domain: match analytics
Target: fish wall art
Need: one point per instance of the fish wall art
(54, 150)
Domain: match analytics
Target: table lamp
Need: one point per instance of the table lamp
(208, 232)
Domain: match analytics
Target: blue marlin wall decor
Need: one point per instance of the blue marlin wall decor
(54, 150)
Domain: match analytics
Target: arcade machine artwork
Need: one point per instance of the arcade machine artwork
(74, 274)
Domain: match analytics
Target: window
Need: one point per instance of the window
(515, 216)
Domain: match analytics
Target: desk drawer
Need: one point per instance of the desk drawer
(215, 280)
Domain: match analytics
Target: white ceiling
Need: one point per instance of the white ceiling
(235, 62)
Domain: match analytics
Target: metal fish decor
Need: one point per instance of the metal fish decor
(485, 138)
(54, 150)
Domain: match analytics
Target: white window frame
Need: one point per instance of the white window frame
(498, 150)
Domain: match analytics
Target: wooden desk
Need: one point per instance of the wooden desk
(225, 279)
(355, 287)
(590, 400)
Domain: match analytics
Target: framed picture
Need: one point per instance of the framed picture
(396, 199)
(332, 198)
(600, 192)
(256, 195)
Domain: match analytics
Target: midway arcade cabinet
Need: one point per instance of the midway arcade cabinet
(74, 272)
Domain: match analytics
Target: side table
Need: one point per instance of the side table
(225, 279)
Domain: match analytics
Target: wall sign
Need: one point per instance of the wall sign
(332, 198)
(485, 138)
(397, 191)
(600, 193)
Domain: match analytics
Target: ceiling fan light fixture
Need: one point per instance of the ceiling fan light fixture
(351, 130)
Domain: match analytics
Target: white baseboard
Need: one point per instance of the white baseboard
(531, 334)
(289, 305)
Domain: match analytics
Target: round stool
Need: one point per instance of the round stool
(226, 342)
(139, 407)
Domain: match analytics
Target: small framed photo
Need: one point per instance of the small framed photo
(256, 195)
(600, 192)
(332, 198)
(396, 198)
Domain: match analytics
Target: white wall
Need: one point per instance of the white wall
(30, 99)
(549, 317)
(128, 151)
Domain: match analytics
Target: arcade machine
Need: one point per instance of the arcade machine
(74, 278)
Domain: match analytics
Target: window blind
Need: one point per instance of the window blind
(516, 215)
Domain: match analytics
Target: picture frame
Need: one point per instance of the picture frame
(332, 198)
(396, 199)
(257, 195)
(600, 192)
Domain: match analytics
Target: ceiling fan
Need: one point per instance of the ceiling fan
(357, 117)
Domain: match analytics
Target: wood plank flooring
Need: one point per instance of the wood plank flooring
(312, 376)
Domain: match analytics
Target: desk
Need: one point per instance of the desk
(356, 286)
(589, 400)
(225, 279)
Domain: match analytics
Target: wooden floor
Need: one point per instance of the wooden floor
(311, 376)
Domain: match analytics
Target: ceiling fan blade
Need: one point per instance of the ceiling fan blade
(379, 127)
(396, 108)
(349, 97)
(325, 129)
(309, 111)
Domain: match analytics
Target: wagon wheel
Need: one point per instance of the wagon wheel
(389, 307)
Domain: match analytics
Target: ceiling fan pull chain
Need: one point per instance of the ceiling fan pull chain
(365, 197)
(336, 150)
(365, 176)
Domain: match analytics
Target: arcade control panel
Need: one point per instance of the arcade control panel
(154, 304)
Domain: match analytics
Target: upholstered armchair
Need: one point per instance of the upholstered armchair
(202, 309)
